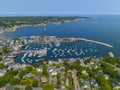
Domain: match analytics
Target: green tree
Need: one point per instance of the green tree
(28, 88)
(35, 83)
(2, 82)
(21, 73)
(23, 82)
(45, 71)
(2, 65)
(101, 79)
(48, 87)
(14, 81)
(16, 88)
(29, 69)
(36, 65)
(7, 78)
(107, 87)
(5, 50)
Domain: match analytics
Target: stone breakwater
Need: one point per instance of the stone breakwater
(87, 40)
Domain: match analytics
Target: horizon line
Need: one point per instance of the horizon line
(15, 15)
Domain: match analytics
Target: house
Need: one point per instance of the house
(27, 75)
(95, 66)
(49, 70)
(91, 62)
(58, 68)
(94, 82)
(82, 63)
(54, 72)
(54, 80)
(9, 88)
(16, 48)
(37, 77)
(62, 75)
(39, 69)
(50, 62)
(84, 72)
(44, 79)
(67, 82)
(86, 84)
(2, 72)
(15, 66)
(115, 85)
(2, 45)
(106, 76)
(60, 60)
(81, 80)
(62, 82)
(100, 72)
(2, 88)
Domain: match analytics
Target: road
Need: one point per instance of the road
(75, 80)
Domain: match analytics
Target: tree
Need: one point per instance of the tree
(28, 88)
(66, 65)
(2, 82)
(58, 81)
(16, 88)
(2, 65)
(23, 82)
(29, 69)
(35, 83)
(5, 50)
(48, 87)
(44, 70)
(101, 79)
(14, 81)
(36, 65)
(7, 78)
(21, 73)
(107, 87)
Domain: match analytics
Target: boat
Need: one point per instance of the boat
(30, 55)
(57, 43)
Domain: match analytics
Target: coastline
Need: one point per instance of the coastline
(13, 29)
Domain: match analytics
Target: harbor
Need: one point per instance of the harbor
(52, 48)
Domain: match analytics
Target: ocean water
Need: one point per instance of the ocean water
(102, 28)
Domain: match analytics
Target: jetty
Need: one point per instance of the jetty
(69, 40)
(97, 42)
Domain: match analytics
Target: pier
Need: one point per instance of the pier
(69, 40)
(30, 51)
(97, 42)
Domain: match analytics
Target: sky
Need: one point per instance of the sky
(60, 7)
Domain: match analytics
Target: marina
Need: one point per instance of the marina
(32, 53)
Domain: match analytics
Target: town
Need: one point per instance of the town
(89, 73)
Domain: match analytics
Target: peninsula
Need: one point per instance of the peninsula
(9, 24)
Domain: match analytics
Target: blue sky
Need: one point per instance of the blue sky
(74, 7)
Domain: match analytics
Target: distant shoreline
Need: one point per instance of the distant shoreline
(56, 20)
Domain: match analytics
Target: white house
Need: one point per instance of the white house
(54, 72)
(39, 69)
